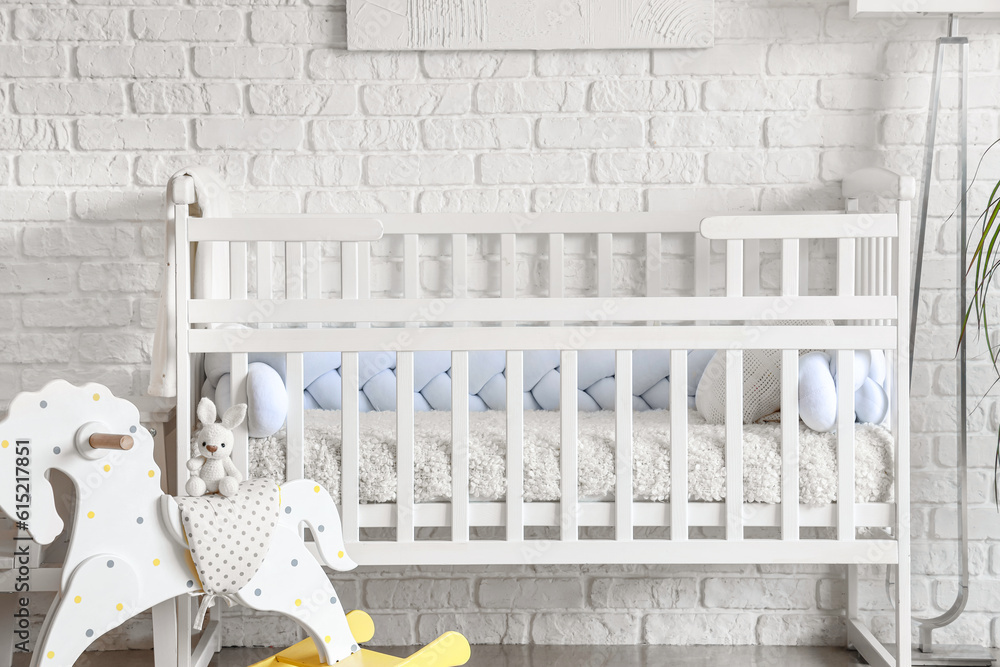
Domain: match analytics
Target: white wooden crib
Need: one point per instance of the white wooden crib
(872, 269)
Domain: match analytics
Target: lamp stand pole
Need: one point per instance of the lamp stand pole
(926, 652)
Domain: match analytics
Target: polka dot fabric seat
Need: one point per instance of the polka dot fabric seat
(432, 382)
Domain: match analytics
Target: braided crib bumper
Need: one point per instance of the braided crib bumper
(268, 400)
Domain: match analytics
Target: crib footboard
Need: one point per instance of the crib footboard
(574, 284)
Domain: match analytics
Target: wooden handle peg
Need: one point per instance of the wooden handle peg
(111, 441)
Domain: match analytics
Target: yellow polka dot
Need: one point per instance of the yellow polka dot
(78, 599)
(107, 468)
(340, 554)
(50, 655)
(90, 515)
(315, 488)
(156, 562)
(152, 473)
(298, 603)
(5, 444)
(97, 397)
(327, 639)
(119, 606)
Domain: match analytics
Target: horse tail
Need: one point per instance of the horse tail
(305, 501)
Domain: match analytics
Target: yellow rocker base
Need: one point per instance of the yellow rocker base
(449, 650)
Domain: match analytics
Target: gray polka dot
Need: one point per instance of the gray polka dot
(131, 429)
(90, 633)
(257, 592)
(295, 562)
(111, 563)
(44, 404)
(190, 584)
(333, 600)
(321, 528)
(56, 450)
(138, 520)
(354, 647)
(288, 510)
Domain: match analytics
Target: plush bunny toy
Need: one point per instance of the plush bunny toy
(213, 471)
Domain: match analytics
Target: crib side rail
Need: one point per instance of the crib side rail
(569, 325)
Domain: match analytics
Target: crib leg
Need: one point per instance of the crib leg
(165, 633)
(852, 597)
(904, 656)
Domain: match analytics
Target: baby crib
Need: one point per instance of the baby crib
(872, 272)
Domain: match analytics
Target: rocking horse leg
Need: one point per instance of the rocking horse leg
(292, 582)
(102, 593)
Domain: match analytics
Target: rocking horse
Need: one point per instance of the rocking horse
(128, 550)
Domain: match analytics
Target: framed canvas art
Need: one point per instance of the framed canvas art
(890, 8)
(528, 24)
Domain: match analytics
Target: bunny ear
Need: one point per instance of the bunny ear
(234, 416)
(206, 411)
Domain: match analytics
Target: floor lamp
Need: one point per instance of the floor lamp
(927, 653)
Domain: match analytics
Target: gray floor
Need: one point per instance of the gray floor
(555, 656)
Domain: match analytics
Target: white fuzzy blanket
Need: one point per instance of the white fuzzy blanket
(651, 457)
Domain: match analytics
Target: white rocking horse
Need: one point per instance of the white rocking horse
(127, 551)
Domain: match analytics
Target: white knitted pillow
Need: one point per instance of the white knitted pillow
(761, 383)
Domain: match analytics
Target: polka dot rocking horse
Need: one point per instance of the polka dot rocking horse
(128, 550)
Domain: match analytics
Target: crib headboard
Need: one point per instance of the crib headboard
(358, 283)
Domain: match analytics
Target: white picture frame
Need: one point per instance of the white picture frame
(446, 25)
(905, 8)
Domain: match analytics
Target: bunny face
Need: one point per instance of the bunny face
(215, 441)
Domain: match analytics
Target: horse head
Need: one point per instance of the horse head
(80, 431)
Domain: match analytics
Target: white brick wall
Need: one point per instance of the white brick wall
(100, 104)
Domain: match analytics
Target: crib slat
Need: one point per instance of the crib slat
(364, 269)
(265, 268)
(790, 267)
(238, 361)
(751, 267)
(178, 234)
(293, 270)
(790, 257)
(734, 268)
(238, 270)
(605, 258)
(508, 269)
(702, 265)
(295, 428)
(515, 445)
(411, 268)
(557, 281)
(790, 444)
(349, 270)
(568, 407)
(678, 446)
(654, 266)
(623, 445)
(734, 404)
(459, 265)
(265, 279)
(804, 266)
(314, 270)
(459, 402)
(238, 390)
(845, 267)
(350, 447)
(845, 444)
(460, 446)
(404, 447)
(734, 444)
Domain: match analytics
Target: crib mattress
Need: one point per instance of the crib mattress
(542, 471)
